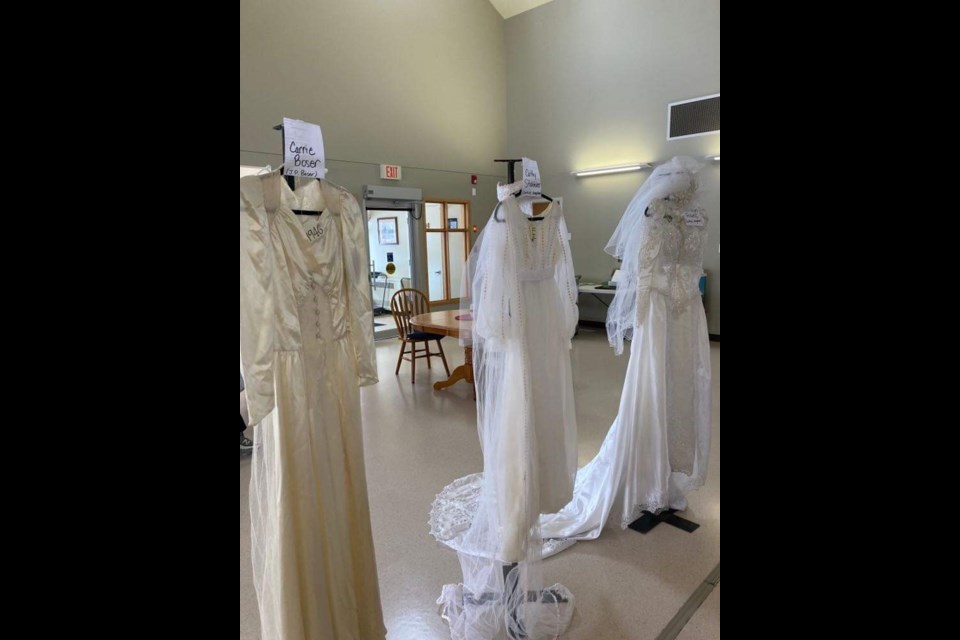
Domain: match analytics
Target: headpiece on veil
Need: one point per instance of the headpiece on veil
(676, 180)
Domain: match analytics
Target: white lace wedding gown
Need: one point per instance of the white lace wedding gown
(657, 450)
(306, 345)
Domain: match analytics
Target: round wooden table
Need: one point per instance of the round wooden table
(446, 323)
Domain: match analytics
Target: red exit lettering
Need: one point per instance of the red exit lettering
(391, 172)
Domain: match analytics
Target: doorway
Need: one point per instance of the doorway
(391, 263)
(448, 245)
(393, 224)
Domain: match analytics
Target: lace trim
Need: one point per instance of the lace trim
(554, 546)
(310, 289)
(654, 506)
(453, 510)
(487, 615)
(678, 307)
(305, 290)
(683, 200)
(504, 191)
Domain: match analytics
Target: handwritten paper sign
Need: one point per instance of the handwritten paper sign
(303, 156)
(694, 218)
(531, 179)
(315, 233)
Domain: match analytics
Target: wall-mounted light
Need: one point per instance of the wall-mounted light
(623, 168)
(713, 158)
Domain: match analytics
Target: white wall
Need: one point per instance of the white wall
(419, 83)
(588, 83)
(443, 87)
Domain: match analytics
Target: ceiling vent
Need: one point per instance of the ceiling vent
(690, 118)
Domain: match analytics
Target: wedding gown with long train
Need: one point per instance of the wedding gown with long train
(657, 450)
(306, 346)
(522, 297)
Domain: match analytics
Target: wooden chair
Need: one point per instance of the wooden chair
(405, 304)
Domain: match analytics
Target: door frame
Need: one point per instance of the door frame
(468, 242)
(414, 209)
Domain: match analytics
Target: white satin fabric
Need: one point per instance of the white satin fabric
(547, 314)
(657, 449)
(306, 345)
(656, 452)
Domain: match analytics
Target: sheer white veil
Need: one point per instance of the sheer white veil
(503, 594)
(629, 243)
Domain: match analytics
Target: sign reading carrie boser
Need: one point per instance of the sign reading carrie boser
(303, 156)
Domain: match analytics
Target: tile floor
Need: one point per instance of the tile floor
(628, 586)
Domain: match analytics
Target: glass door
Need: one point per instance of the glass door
(448, 245)
(391, 263)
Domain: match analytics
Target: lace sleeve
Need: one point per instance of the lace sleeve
(567, 280)
(649, 252)
(491, 299)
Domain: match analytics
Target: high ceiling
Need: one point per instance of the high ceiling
(510, 8)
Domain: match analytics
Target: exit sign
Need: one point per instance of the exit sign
(390, 172)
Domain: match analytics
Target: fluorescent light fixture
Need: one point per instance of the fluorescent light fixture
(623, 168)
